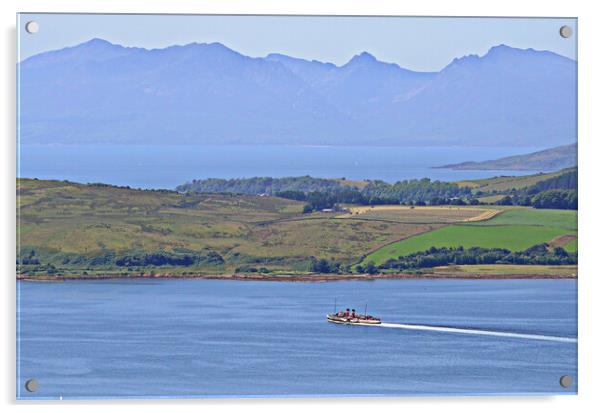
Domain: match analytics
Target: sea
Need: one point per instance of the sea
(218, 338)
(165, 167)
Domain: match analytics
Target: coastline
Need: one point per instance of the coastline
(301, 278)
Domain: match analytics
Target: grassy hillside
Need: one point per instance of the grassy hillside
(85, 227)
(74, 229)
(506, 183)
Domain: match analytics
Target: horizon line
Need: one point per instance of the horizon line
(355, 56)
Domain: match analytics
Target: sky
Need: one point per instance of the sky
(416, 43)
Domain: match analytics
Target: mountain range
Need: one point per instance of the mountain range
(103, 93)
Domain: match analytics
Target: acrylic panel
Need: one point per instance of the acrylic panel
(273, 206)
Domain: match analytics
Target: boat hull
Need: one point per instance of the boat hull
(352, 320)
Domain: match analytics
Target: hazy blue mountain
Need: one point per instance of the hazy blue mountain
(312, 72)
(552, 159)
(99, 92)
(509, 96)
(368, 92)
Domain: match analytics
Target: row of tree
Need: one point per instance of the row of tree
(170, 258)
(262, 185)
(324, 266)
(416, 190)
(540, 254)
(558, 192)
(318, 193)
(317, 201)
(327, 192)
(566, 180)
(549, 199)
(30, 256)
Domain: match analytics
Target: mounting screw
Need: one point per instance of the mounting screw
(31, 385)
(566, 31)
(32, 27)
(566, 381)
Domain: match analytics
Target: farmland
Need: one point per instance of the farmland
(514, 229)
(555, 218)
(77, 228)
(96, 230)
(425, 214)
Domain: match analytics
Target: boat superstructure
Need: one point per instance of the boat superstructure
(335, 318)
(351, 317)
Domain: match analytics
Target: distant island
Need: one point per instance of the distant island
(551, 159)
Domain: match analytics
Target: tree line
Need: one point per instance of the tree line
(559, 192)
(319, 193)
(373, 192)
(168, 258)
(262, 185)
(550, 199)
(417, 192)
(32, 257)
(540, 254)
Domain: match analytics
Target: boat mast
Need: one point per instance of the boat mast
(335, 305)
(365, 310)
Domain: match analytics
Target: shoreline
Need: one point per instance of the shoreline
(301, 278)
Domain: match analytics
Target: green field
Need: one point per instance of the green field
(87, 229)
(514, 229)
(571, 246)
(553, 218)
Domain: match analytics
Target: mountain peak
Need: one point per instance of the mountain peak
(501, 47)
(98, 42)
(505, 50)
(217, 46)
(195, 48)
(278, 56)
(501, 51)
(363, 57)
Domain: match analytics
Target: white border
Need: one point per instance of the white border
(590, 134)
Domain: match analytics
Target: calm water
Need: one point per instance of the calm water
(194, 338)
(169, 166)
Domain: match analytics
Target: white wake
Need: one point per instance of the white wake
(474, 331)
